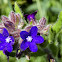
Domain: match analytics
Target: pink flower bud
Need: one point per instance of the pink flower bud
(42, 21)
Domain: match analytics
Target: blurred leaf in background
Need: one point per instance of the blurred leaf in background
(5, 7)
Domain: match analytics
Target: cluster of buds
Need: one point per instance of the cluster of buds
(13, 35)
(12, 24)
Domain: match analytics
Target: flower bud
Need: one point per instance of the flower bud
(42, 21)
(4, 18)
(12, 17)
(9, 25)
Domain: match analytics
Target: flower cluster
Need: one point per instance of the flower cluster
(13, 35)
(12, 24)
(6, 41)
(30, 39)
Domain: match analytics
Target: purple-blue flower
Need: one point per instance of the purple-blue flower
(30, 39)
(31, 16)
(6, 41)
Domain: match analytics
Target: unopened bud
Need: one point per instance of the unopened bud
(42, 21)
(9, 25)
(12, 17)
(4, 18)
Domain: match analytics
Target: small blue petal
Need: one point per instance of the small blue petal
(2, 46)
(33, 31)
(12, 40)
(33, 47)
(24, 45)
(1, 35)
(9, 48)
(1, 38)
(5, 32)
(24, 34)
(6, 41)
(38, 39)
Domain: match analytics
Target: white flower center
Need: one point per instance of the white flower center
(29, 38)
(8, 39)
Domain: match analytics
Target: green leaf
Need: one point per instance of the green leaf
(57, 26)
(54, 49)
(60, 41)
(3, 58)
(17, 10)
(12, 54)
(33, 59)
(51, 35)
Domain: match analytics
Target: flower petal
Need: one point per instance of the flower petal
(24, 45)
(12, 17)
(9, 48)
(1, 38)
(12, 40)
(31, 16)
(1, 46)
(5, 32)
(38, 39)
(1, 35)
(24, 34)
(33, 47)
(33, 31)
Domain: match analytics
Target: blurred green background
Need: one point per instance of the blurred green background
(49, 9)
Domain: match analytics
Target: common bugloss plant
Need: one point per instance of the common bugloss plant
(22, 37)
(12, 33)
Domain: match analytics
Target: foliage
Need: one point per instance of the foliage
(52, 10)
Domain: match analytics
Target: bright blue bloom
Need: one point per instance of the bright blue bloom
(31, 16)
(30, 39)
(6, 41)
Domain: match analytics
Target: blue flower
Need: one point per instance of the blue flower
(31, 16)
(30, 39)
(6, 41)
